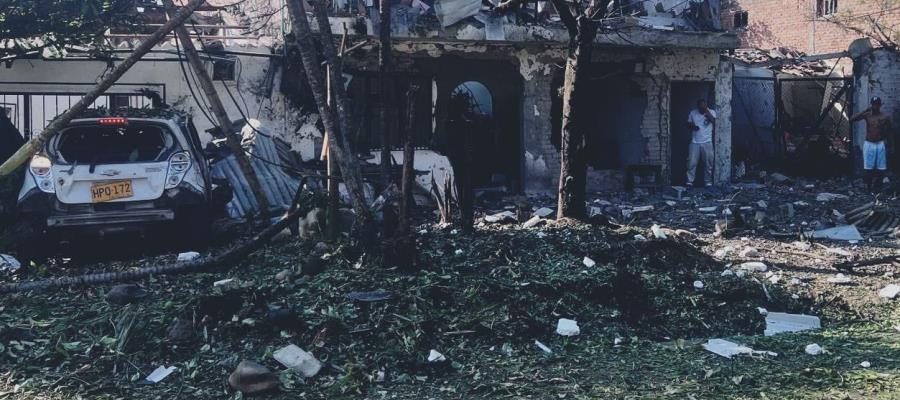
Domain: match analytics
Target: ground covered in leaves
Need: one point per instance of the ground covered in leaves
(480, 300)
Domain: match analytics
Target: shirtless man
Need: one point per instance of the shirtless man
(878, 127)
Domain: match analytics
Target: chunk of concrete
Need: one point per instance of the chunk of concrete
(658, 232)
(890, 291)
(534, 222)
(840, 279)
(729, 349)
(588, 262)
(754, 266)
(250, 378)
(567, 327)
(777, 322)
(188, 256)
(826, 197)
(543, 212)
(813, 349)
(841, 232)
(501, 217)
(435, 356)
(749, 252)
(298, 359)
(9, 263)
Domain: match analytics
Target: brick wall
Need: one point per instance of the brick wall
(792, 23)
(877, 75)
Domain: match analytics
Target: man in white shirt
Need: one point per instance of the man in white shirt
(702, 121)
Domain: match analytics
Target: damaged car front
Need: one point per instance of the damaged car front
(116, 175)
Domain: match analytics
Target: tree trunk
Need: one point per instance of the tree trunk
(33, 145)
(339, 144)
(384, 71)
(573, 166)
(409, 154)
(215, 103)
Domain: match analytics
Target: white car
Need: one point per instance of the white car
(103, 176)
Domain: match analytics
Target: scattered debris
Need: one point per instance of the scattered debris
(707, 209)
(250, 378)
(729, 349)
(369, 297)
(543, 212)
(890, 291)
(754, 266)
(9, 263)
(698, 284)
(825, 197)
(777, 322)
(534, 222)
(839, 251)
(813, 349)
(501, 217)
(588, 262)
(159, 374)
(749, 252)
(762, 311)
(188, 256)
(658, 232)
(435, 356)
(640, 238)
(567, 327)
(284, 275)
(543, 347)
(298, 359)
(125, 293)
(840, 279)
(865, 364)
(225, 283)
(843, 232)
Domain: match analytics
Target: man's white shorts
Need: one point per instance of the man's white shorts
(874, 155)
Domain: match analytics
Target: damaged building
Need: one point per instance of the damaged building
(493, 75)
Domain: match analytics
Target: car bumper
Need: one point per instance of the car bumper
(110, 218)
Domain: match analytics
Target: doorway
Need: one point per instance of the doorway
(683, 98)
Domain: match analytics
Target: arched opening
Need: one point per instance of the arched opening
(471, 98)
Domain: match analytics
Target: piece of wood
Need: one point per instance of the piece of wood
(232, 138)
(386, 115)
(35, 144)
(409, 174)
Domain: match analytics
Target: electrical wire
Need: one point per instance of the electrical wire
(188, 82)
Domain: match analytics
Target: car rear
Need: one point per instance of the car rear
(102, 176)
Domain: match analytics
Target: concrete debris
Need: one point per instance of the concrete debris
(159, 374)
(627, 212)
(543, 347)
(754, 266)
(801, 203)
(708, 209)
(188, 256)
(762, 311)
(250, 378)
(450, 12)
(543, 212)
(658, 232)
(729, 349)
(435, 356)
(724, 252)
(225, 283)
(762, 204)
(826, 197)
(125, 293)
(298, 359)
(535, 221)
(842, 232)
(9, 263)
(727, 272)
(284, 275)
(777, 322)
(588, 262)
(839, 251)
(802, 246)
(787, 210)
(840, 279)
(865, 364)
(640, 238)
(501, 217)
(698, 285)
(813, 349)
(749, 252)
(370, 297)
(890, 291)
(567, 327)
(779, 178)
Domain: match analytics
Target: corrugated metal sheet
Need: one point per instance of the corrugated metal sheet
(267, 156)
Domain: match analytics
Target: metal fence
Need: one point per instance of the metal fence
(31, 106)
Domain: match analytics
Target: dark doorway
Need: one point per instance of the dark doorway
(683, 99)
(482, 99)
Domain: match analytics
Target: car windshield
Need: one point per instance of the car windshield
(95, 144)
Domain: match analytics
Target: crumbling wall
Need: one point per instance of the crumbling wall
(875, 74)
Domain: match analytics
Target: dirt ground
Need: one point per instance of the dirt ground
(483, 301)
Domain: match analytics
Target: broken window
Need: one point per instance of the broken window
(95, 144)
(825, 8)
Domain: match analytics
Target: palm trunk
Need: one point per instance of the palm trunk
(215, 104)
(384, 70)
(34, 144)
(336, 120)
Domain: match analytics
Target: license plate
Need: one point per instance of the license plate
(101, 192)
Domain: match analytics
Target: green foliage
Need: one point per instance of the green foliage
(37, 24)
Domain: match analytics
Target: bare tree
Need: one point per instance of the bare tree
(582, 25)
(878, 22)
(336, 119)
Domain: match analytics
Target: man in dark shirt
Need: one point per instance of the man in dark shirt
(878, 127)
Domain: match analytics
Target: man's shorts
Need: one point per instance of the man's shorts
(874, 155)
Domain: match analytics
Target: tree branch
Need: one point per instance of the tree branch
(565, 14)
